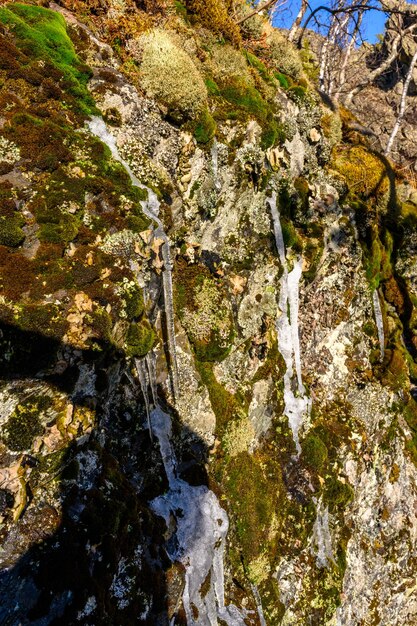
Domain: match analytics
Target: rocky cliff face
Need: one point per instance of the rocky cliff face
(208, 331)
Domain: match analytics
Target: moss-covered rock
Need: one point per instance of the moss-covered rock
(24, 424)
(140, 339)
(204, 312)
(314, 452)
(11, 233)
(42, 35)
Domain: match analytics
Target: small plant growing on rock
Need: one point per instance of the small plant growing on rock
(169, 75)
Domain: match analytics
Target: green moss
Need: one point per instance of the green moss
(64, 231)
(314, 252)
(24, 425)
(212, 87)
(373, 258)
(283, 80)
(41, 34)
(261, 68)
(298, 93)
(337, 494)
(181, 9)
(140, 339)
(136, 223)
(11, 233)
(205, 127)
(225, 405)
(289, 234)
(258, 506)
(314, 452)
(273, 132)
(134, 302)
(369, 329)
(101, 325)
(246, 97)
(45, 319)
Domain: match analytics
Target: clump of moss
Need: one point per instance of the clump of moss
(244, 96)
(225, 405)
(168, 74)
(140, 339)
(314, 452)
(364, 172)
(289, 234)
(41, 34)
(45, 319)
(284, 56)
(283, 80)
(204, 313)
(63, 231)
(24, 424)
(134, 302)
(41, 141)
(258, 508)
(238, 436)
(205, 127)
(337, 494)
(11, 233)
(215, 15)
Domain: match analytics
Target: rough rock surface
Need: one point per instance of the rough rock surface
(326, 537)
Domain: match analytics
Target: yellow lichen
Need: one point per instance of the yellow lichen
(365, 173)
(259, 569)
(238, 436)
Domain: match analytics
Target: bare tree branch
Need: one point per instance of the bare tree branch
(378, 71)
(384, 8)
(402, 105)
(259, 8)
(346, 55)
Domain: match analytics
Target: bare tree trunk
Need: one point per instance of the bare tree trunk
(347, 53)
(337, 26)
(297, 22)
(383, 67)
(401, 112)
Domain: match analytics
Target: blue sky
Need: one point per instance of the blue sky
(373, 23)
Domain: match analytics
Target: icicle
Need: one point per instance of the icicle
(297, 404)
(215, 165)
(258, 601)
(150, 208)
(201, 523)
(150, 364)
(321, 535)
(201, 529)
(379, 322)
(143, 379)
